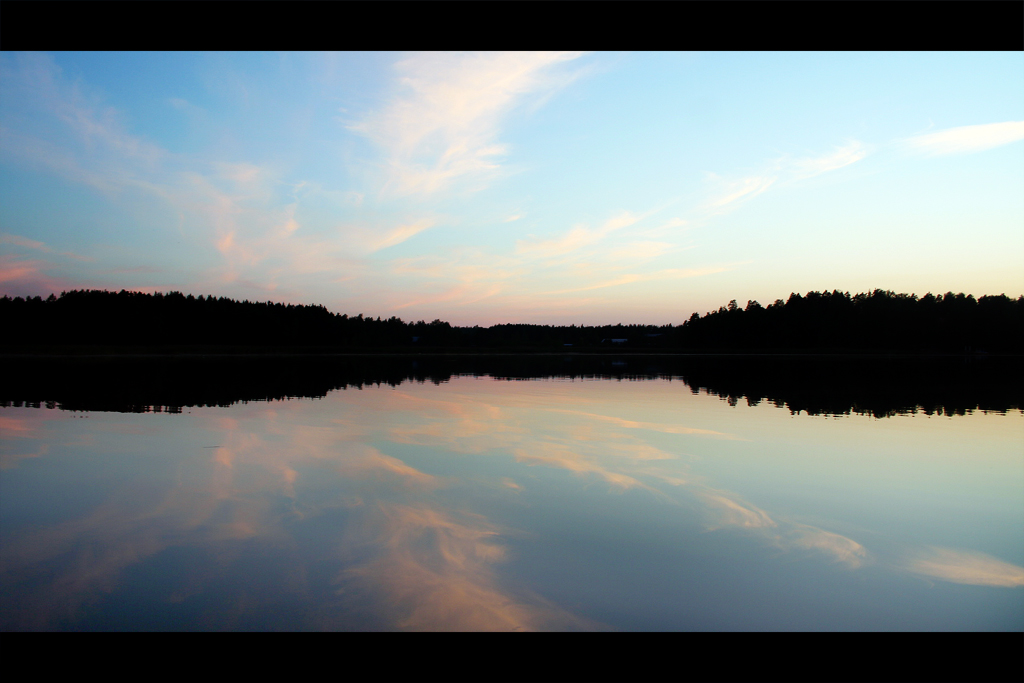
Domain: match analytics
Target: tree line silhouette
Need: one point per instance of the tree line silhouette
(879, 321)
(876, 321)
(818, 385)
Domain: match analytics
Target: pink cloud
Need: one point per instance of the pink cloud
(20, 277)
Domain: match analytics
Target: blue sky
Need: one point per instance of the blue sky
(512, 187)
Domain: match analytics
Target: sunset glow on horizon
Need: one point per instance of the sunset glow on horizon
(485, 188)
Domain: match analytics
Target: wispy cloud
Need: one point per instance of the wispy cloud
(666, 274)
(443, 124)
(670, 226)
(742, 189)
(56, 159)
(578, 237)
(402, 233)
(966, 139)
(962, 566)
(464, 294)
(28, 277)
(808, 167)
(237, 209)
(254, 229)
(730, 193)
(841, 548)
(540, 275)
(100, 129)
(20, 241)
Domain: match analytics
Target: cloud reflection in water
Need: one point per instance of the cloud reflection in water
(396, 546)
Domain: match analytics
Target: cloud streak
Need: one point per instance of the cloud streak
(730, 194)
(667, 274)
(967, 139)
(443, 123)
(576, 238)
(964, 566)
(20, 241)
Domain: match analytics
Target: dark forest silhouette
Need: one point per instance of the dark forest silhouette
(880, 321)
(819, 385)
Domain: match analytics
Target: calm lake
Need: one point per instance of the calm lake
(562, 493)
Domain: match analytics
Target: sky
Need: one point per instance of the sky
(485, 188)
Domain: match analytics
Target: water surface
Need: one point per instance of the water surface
(561, 501)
